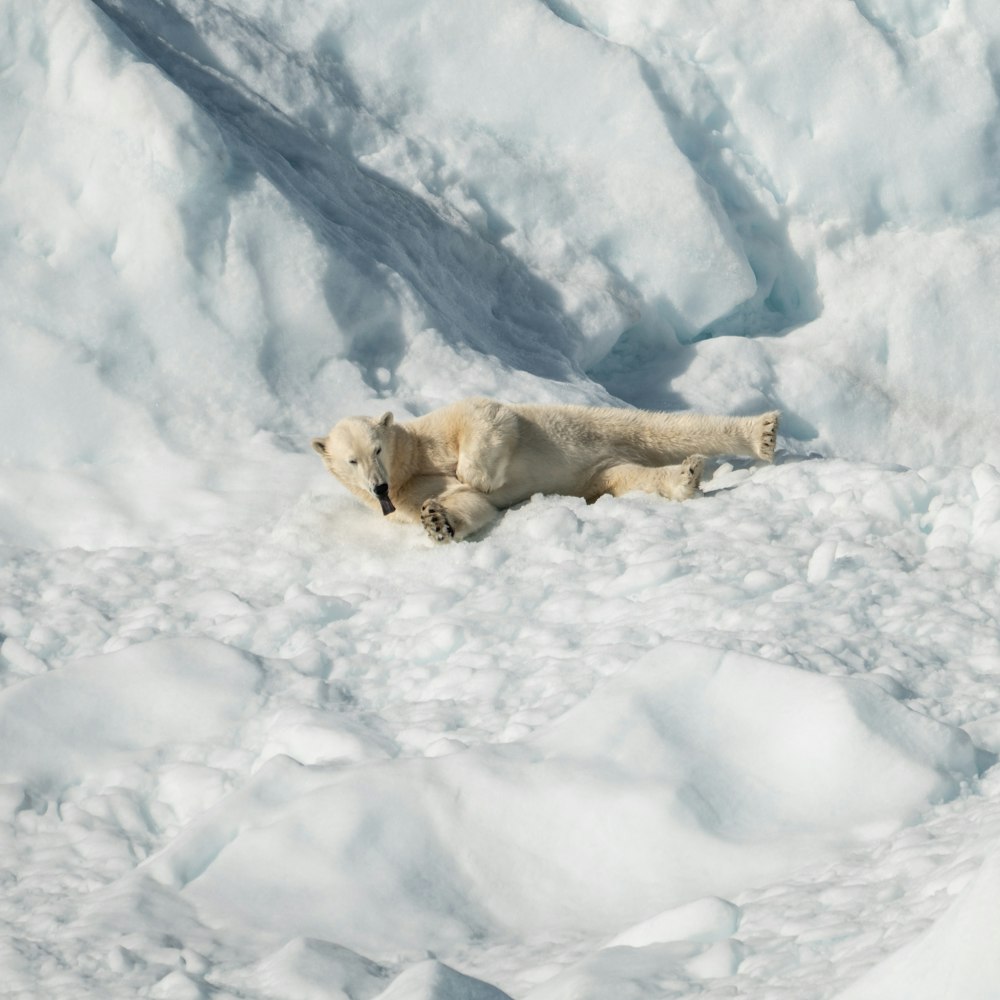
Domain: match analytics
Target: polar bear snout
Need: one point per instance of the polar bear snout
(382, 493)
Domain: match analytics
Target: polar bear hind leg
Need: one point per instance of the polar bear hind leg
(674, 482)
(764, 435)
(681, 482)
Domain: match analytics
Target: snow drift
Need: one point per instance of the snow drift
(122, 709)
(954, 959)
(696, 772)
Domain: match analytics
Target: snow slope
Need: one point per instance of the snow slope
(256, 743)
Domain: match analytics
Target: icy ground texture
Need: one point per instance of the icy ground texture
(258, 766)
(256, 743)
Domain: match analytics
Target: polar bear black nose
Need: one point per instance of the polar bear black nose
(382, 490)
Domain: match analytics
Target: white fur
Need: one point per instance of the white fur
(454, 469)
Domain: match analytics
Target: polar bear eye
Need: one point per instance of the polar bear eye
(352, 461)
(378, 450)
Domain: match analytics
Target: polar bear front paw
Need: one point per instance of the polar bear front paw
(765, 435)
(434, 518)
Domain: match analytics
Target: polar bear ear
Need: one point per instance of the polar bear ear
(385, 420)
(319, 444)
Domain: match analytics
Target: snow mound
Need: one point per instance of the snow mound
(308, 969)
(695, 772)
(671, 970)
(432, 980)
(752, 746)
(521, 157)
(676, 950)
(956, 958)
(707, 919)
(125, 708)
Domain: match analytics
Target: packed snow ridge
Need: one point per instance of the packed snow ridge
(257, 743)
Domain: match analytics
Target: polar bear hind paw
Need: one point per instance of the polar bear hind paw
(434, 518)
(683, 481)
(689, 477)
(765, 435)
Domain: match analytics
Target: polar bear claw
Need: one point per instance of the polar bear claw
(435, 521)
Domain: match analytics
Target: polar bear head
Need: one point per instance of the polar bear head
(359, 451)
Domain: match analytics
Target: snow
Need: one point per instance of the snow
(955, 957)
(96, 714)
(256, 743)
(710, 753)
(705, 919)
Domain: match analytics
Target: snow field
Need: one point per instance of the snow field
(444, 753)
(255, 743)
(960, 947)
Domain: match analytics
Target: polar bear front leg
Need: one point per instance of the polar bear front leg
(486, 444)
(456, 514)
(674, 482)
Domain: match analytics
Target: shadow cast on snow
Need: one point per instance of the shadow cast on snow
(474, 293)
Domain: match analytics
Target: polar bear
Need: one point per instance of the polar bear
(454, 469)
